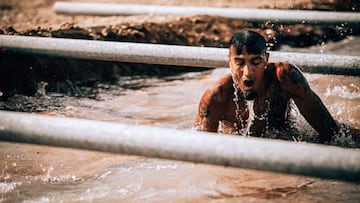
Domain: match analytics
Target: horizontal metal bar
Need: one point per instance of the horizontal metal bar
(116, 51)
(169, 54)
(237, 151)
(320, 63)
(253, 15)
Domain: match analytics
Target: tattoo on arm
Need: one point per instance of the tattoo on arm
(208, 118)
(203, 111)
(297, 77)
(292, 80)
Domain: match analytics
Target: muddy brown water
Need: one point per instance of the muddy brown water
(31, 173)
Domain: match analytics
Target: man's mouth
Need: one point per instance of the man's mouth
(248, 85)
(249, 93)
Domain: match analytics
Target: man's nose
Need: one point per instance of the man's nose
(248, 71)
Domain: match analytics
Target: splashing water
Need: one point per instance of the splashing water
(245, 126)
(244, 129)
(237, 111)
(251, 118)
(343, 91)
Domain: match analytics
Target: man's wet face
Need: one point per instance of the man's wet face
(247, 71)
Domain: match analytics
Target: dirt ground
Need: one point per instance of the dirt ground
(37, 18)
(23, 15)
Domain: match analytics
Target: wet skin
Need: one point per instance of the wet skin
(270, 86)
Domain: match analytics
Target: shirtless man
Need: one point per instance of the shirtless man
(256, 95)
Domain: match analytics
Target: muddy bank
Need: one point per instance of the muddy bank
(200, 30)
(24, 15)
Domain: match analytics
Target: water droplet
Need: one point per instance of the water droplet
(239, 129)
(251, 118)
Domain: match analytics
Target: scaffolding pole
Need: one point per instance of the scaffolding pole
(185, 145)
(252, 15)
(169, 54)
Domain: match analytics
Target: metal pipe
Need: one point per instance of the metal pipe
(169, 54)
(236, 151)
(320, 63)
(253, 15)
(116, 51)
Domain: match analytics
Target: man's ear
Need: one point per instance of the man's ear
(229, 58)
(267, 56)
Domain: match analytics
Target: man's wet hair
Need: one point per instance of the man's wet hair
(253, 41)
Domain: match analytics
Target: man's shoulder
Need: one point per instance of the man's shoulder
(225, 81)
(225, 84)
(221, 89)
(282, 65)
(284, 70)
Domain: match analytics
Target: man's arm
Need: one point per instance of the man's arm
(207, 117)
(310, 105)
(212, 105)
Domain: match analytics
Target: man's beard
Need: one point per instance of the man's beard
(250, 95)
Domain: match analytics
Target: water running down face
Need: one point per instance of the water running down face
(248, 72)
(247, 60)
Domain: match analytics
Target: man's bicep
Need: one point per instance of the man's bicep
(207, 118)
